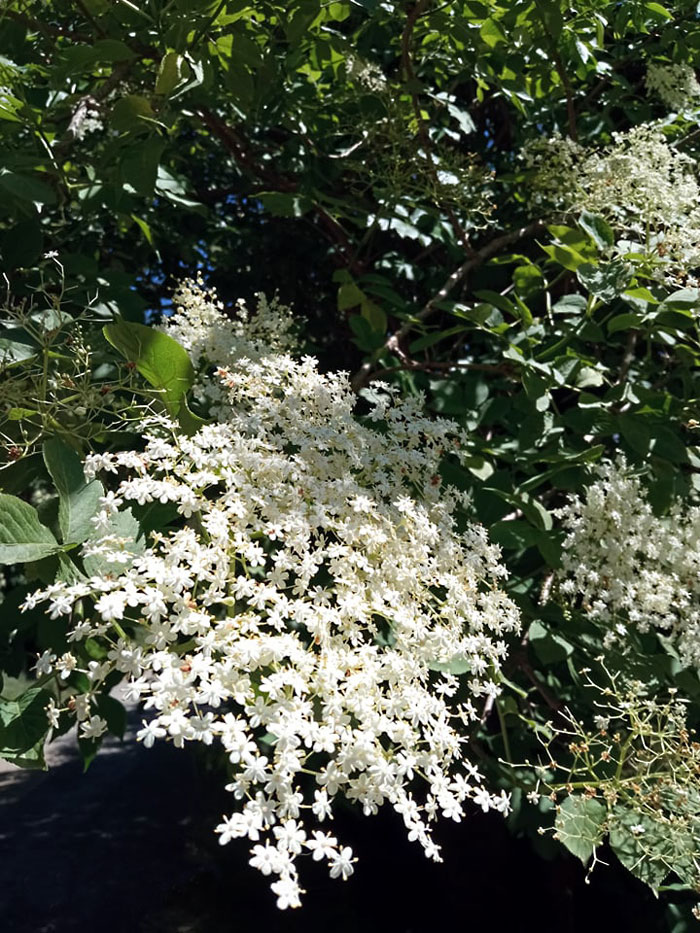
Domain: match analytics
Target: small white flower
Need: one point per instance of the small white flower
(341, 863)
(93, 728)
(65, 664)
(322, 845)
(287, 890)
(45, 663)
(52, 714)
(150, 732)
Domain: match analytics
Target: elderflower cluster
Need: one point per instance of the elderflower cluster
(86, 119)
(675, 85)
(648, 190)
(553, 163)
(306, 607)
(367, 74)
(629, 566)
(212, 338)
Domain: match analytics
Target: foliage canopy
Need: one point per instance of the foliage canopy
(491, 206)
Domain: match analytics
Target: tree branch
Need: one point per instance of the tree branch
(393, 343)
(414, 366)
(245, 156)
(48, 31)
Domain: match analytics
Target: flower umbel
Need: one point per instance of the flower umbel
(306, 603)
(630, 567)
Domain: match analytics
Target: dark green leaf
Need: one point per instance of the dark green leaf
(23, 722)
(22, 536)
(78, 499)
(606, 281)
(27, 188)
(598, 229)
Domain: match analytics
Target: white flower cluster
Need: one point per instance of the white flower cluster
(365, 73)
(554, 164)
(640, 184)
(214, 339)
(629, 566)
(675, 85)
(307, 608)
(86, 119)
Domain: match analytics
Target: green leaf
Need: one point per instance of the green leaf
(15, 348)
(598, 229)
(570, 304)
(113, 50)
(549, 647)
(667, 444)
(124, 526)
(648, 851)
(88, 749)
(174, 189)
(113, 712)
(139, 168)
(168, 73)
(456, 665)
(281, 204)
(580, 825)
(492, 33)
(349, 296)
(374, 316)
(78, 499)
(22, 536)
(639, 298)
(160, 360)
(23, 722)
(685, 299)
(626, 321)
(144, 228)
(635, 431)
(365, 336)
(514, 535)
(564, 256)
(654, 7)
(189, 421)
(9, 106)
(528, 280)
(606, 281)
(26, 188)
(129, 113)
(31, 760)
(533, 510)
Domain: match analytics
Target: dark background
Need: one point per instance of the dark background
(129, 846)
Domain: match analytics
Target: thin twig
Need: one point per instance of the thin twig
(414, 366)
(628, 358)
(246, 157)
(393, 343)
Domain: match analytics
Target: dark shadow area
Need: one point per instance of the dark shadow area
(129, 847)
